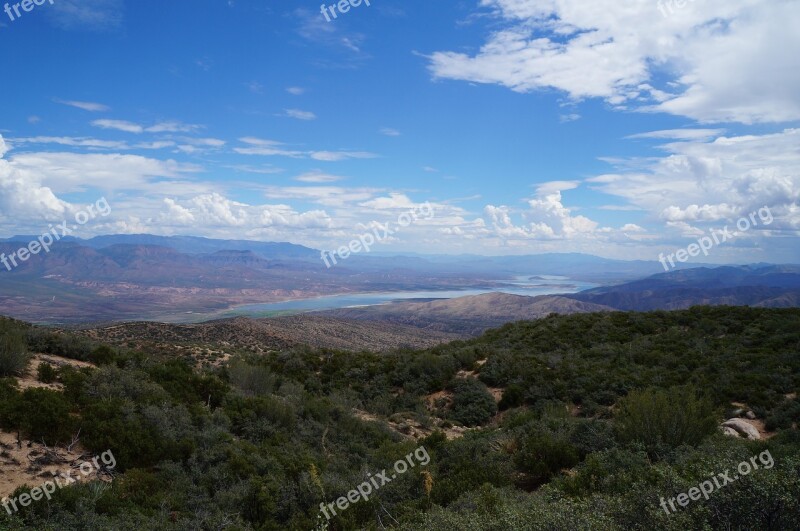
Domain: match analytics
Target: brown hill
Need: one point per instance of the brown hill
(469, 315)
(217, 339)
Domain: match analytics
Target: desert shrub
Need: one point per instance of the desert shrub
(14, 356)
(610, 472)
(251, 379)
(59, 344)
(593, 436)
(784, 416)
(8, 401)
(74, 381)
(665, 419)
(141, 436)
(46, 373)
(43, 414)
(543, 455)
(472, 403)
(465, 464)
(103, 355)
(259, 417)
(513, 396)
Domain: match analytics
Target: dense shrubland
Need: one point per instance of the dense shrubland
(600, 416)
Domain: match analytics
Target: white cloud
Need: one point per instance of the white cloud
(546, 219)
(295, 91)
(394, 201)
(93, 143)
(172, 127)
(300, 115)
(72, 141)
(131, 127)
(119, 125)
(317, 176)
(713, 180)
(74, 172)
(85, 105)
(335, 156)
(680, 134)
(272, 148)
(388, 131)
(215, 210)
(632, 227)
(713, 60)
(556, 186)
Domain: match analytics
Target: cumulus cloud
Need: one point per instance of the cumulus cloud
(23, 198)
(545, 219)
(701, 181)
(215, 210)
(713, 61)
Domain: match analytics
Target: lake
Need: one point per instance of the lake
(530, 285)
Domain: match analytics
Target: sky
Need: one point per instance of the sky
(620, 128)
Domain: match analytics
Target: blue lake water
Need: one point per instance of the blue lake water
(525, 285)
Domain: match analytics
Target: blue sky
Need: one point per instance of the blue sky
(617, 128)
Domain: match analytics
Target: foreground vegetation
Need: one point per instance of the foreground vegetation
(599, 417)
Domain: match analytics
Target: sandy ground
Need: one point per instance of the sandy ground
(31, 463)
(29, 379)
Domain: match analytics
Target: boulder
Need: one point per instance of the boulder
(743, 428)
(730, 432)
(750, 415)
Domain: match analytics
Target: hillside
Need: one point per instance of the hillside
(469, 315)
(267, 335)
(561, 423)
(759, 286)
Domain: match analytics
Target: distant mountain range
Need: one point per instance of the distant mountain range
(759, 286)
(193, 245)
(134, 277)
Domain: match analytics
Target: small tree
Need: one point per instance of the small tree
(14, 356)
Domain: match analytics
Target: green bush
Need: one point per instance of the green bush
(43, 414)
(103, 355)
(542, 456)
(58, 344)
(472, 403)
(45, 373)
(662, 420)
(14, 356)
(513, 396)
